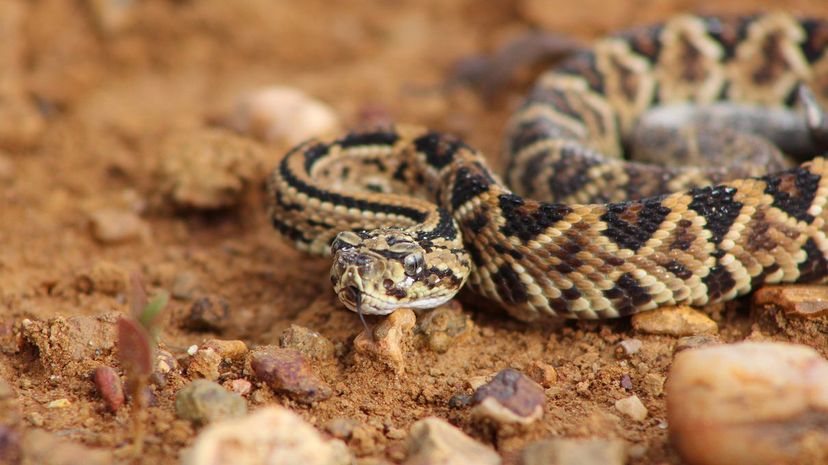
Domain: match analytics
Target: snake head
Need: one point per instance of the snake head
(379, 271)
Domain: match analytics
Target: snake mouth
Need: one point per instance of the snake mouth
(364, 303)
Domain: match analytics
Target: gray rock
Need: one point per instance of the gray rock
(204, 401)
(286, 371)
(308, 342)
(511, 398)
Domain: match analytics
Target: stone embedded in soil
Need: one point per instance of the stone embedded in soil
(282, 116)
(272, 435)
(112, 226)
(565, 451)
(184, 285)
(511, 398)
(286, 371)
(754, 402)
(694, 342)
(310, 343)
(204, 363)
(386, 341)
(104, 277)
(70, 345)
(542, 373)
(809, 301)
(109, 387)
(165, 362)
(204, 401)
(42, 448)
(435, 441)
(674, 321)
(208, 169)
(632, 408)
(241, 387)
(628, 348)
(444, 326)
(208, 313)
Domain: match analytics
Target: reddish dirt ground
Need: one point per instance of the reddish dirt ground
(83, 111)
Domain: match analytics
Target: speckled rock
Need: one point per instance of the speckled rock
(754, 402)
(70, 345)
(272, 435)
(281, 115)
(204, 401)
(444, 326)
(208, 313)
(208, 169)
(388, 340)
(674, 321)
(632, 407)
(810, 301)
(112, 226)
(286, 371)
(564, 451)
(204, 363)
(228, 349)
(308, 342)
(435, 441)
(511, 398)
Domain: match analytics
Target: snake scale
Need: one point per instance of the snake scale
(411, 215)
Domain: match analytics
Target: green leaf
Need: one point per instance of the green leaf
(152, 309)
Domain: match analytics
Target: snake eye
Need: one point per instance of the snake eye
(413, 264)
(345, 240)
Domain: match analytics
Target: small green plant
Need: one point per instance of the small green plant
(137, 338)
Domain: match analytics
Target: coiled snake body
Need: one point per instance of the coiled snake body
(410, 215)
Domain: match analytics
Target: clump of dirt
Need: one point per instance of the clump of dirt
(90, 93)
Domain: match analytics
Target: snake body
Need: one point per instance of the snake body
(411, 215)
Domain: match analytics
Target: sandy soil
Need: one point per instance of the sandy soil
(84, 106)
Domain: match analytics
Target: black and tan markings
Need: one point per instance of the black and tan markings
(613, 237)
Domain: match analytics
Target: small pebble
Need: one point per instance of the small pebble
(205, 364)
(542, 373)
(111, 16)
(281, 115)
(626, 382)
(628, 348)
(761, 403)
(632, 407)
(165, 362)
(444, 326)
(192, 350)
(209, 313)
(110, 226)
(511, 398)
(653, 384)
(694, 342)
(271, 435)
(104, 277)
(435, 441)
(341, 428)
(184, 285)
(674, 321)
(35, 419)
(565, 451)
(109, 386)
(204, 401)
(310, 343)
(227, 349)
(208, 169)
(59, 403)
(241, 387)
(287, 371)
(389, 337)
(810, 301)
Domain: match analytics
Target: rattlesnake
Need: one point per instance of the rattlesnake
(410, 215)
